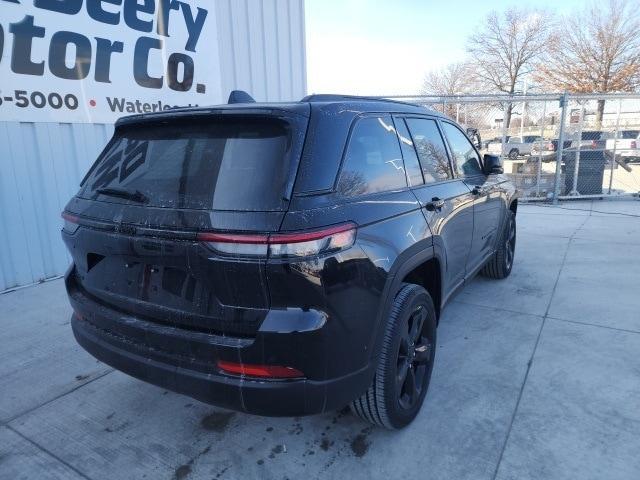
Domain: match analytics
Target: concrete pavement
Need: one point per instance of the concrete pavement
(536, 376)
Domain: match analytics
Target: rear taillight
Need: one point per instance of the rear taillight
(282, 245)
(71, 222)
(633, 144)
(259, 371)
(551, 146)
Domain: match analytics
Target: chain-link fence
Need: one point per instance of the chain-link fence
(555, 146)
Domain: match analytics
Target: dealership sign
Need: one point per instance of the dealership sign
(97, 60)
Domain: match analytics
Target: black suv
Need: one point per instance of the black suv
(284, 259)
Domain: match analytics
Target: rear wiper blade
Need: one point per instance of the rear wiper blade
(136, 196)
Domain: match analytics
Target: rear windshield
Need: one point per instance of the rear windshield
(223, 164)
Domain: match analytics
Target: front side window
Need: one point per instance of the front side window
(465, 156)
(373, 162)
(431, 149)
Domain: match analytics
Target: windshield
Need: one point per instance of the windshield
(221, 165)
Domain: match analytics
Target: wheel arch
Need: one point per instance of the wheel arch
(414, 269)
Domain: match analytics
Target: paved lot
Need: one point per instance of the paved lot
(537, 376)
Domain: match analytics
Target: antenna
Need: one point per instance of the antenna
(240, 96)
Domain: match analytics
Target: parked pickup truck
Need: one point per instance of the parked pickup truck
(517, 146)
(626, 145)
(590, 139)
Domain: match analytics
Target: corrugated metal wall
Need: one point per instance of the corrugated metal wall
(262, 48)
(42, 165)
(262, 51)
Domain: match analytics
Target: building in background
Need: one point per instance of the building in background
(69, 69)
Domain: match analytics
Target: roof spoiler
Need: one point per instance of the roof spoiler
(240, 96)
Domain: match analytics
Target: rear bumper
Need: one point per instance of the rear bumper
(186, 361)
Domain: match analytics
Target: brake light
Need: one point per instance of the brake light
(298, 244)
(71, 222)
(260, 371)
(633, 144)
(551, 146)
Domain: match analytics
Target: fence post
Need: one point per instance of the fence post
(503, 140)
(576, 166)
(539, 172)
(615, 144)
(563, 111)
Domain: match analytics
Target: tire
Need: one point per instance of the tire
(501, 263)
(513, 153)
(390, 402)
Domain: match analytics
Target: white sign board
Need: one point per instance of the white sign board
(97, 60)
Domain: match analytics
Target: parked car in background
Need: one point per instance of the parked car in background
(284, 258)
(590, 139)
(485, 143)
(626, 145)
(545, 150)
(515, 147)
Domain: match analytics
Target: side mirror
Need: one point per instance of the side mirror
(492, 164)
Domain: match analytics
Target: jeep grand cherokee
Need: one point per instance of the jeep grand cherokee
(284, 258)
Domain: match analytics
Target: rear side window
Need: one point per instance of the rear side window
(431, 149)
(372, 162)
(223, 164)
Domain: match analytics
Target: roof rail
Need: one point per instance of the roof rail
(331, 97)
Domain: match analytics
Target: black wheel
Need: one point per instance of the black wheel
(405, 364)
(501, 263)
(513, 153)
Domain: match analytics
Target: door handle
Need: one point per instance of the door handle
(435, 204)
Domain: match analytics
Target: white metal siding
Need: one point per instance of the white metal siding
(42, 165)
(262, 51)
(261, 45)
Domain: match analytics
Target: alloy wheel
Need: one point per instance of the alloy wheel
(510, 244)
(414, 357)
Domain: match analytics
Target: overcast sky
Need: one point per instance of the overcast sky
(369, 47)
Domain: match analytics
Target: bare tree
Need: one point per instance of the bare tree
(454, 79)
(506, 49)
(597, 50)
(450, 80)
